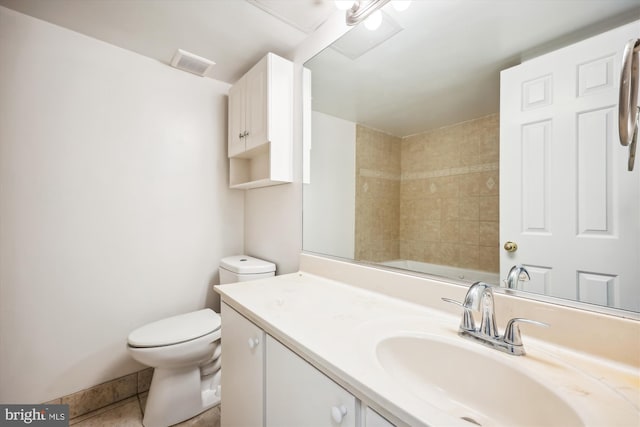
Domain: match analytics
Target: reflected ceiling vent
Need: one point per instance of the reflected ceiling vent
(360, 40)
(305, 15)
(191, 63)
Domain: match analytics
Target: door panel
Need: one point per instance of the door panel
(566, 197)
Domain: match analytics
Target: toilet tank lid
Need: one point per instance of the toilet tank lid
(175, 329)
(243, 264)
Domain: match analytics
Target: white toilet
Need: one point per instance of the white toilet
(185, 353)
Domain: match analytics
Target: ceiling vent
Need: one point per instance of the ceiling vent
(191, 63)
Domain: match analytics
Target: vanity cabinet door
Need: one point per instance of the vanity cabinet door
(242, 371)
(373, 419)
(297, 394)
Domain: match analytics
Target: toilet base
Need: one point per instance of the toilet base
(176, 395)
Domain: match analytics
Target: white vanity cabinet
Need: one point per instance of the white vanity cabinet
(264, 384)
(260, 138)
(243, 373)
(297, 394)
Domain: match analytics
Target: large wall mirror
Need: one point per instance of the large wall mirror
(407, 165)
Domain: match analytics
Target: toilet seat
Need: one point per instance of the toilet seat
(176, 329)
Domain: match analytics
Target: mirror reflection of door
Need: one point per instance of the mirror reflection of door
(566, 197)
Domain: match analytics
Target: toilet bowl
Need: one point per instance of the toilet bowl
(182, 350)
(185, 352)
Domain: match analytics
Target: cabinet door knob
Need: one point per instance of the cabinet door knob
(245, 134)
(253, 343)
(338, 413)
(240, 135)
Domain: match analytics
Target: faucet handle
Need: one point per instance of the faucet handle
(512, 331)
(468, 324)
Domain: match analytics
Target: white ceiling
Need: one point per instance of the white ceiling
(440, 67)
(233, 33)
(444, 66)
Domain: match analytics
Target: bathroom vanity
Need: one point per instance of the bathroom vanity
(375, 348)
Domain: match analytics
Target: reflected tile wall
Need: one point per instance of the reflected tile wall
(377, 195)
(430, 197)
(449, 204)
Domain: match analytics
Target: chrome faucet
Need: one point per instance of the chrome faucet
(516, 274)
(479, 297)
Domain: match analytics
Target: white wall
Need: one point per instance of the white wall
(329, 200)
(114, 204)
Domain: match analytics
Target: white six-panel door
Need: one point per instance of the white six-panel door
(566, 197)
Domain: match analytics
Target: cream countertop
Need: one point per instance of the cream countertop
(336, 327)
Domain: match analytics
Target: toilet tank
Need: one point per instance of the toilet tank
(240, 268)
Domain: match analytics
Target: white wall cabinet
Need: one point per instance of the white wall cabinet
(260, 139)
(297, 394)
(243, 373)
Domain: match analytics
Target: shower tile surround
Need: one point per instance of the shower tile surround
(378, 183)
(431, 197)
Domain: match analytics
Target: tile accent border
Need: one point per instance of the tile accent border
(370, 173)
(463, 170)
(107, 393)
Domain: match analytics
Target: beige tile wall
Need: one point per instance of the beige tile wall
(434, 199)
(449, 195)
(377, 195)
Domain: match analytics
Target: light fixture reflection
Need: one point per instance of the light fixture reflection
(344, 4)
(400, 5)
(373, 21)
(368, 11)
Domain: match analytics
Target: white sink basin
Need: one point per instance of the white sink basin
(471, 384)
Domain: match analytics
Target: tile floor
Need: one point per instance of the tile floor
(129, 412)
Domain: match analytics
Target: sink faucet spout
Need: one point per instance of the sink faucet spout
(479, 297)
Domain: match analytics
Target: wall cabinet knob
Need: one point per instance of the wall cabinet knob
(240, 135)
(253, 343)
(338, 413)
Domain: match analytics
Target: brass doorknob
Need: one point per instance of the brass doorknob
(510, 246)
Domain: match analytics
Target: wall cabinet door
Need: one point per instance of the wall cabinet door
(256, 106)
(243, 371)
(248, 127)
(237, 115)
(297, 394)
